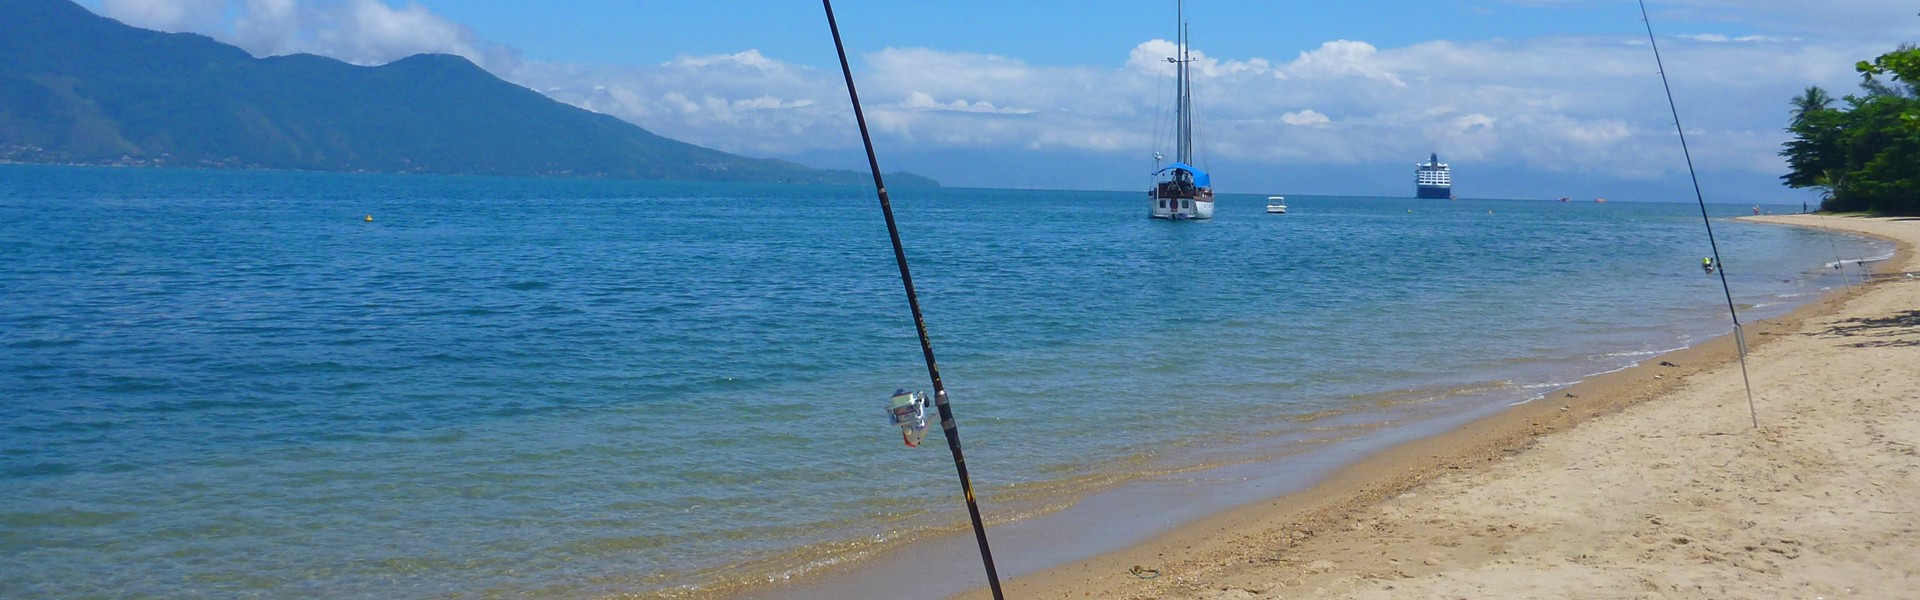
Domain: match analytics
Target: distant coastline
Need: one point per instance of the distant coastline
(82, 92)
(895, 179)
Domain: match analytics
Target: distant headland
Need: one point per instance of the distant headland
(79, 88)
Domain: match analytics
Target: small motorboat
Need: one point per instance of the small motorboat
(1277, 205)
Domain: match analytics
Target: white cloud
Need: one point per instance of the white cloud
(1155, 57)
(749, 58)
(1305, 117)
(1571, 104)
(1720, 38)
(740, 102)
(925, 101)
(1342, 59)
(166, 15)
(371, 31)
(367, 32)
(769, 103)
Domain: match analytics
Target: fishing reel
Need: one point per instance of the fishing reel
(908, 411)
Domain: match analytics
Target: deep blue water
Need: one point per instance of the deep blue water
(231, 384)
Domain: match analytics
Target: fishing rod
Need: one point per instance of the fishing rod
(1739, 335)
(1839, 264)
(947, 424)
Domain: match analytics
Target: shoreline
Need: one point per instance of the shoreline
(1186, 510)
(1272, 546)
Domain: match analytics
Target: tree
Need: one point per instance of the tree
(1811, 101)
(1814, 156)
(1866, 156)
(1889, 180)
(1903, 65)
(1882, 154)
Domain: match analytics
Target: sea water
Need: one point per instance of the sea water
(236, 384)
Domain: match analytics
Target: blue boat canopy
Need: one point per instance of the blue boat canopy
(1199, 177)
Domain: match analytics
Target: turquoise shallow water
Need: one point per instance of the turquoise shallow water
(230, 384)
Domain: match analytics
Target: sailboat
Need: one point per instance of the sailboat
(1180, 190)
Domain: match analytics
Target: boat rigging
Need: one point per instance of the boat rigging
(1181, 191)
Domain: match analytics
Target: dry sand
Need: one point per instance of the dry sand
(1645, 483)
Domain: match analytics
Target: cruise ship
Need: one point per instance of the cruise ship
(1433, 180)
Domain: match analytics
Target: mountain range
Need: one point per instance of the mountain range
(79, 88)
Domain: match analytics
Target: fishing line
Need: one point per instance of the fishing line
(1739, 335)
(1838, 263)
(1862, 273)
(947, 424)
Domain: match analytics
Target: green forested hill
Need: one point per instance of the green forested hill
(76, 87)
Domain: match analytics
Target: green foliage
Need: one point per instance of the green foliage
(1865, 157)
(1903, 64)
(79, 88)
(1814, 155)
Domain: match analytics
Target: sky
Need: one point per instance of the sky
(1524, 98)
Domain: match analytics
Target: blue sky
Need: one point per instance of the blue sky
(1526, 98)
(651, 32)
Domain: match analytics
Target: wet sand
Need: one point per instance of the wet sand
(1651, 482)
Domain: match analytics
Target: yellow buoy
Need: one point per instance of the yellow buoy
(369, 218)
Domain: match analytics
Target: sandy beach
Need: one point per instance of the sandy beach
(1651, 482)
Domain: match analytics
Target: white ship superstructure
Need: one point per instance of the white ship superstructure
(1433, 179)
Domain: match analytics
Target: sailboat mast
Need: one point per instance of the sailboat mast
(1184, 144)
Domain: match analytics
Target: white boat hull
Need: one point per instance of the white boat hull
(1179, 209)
